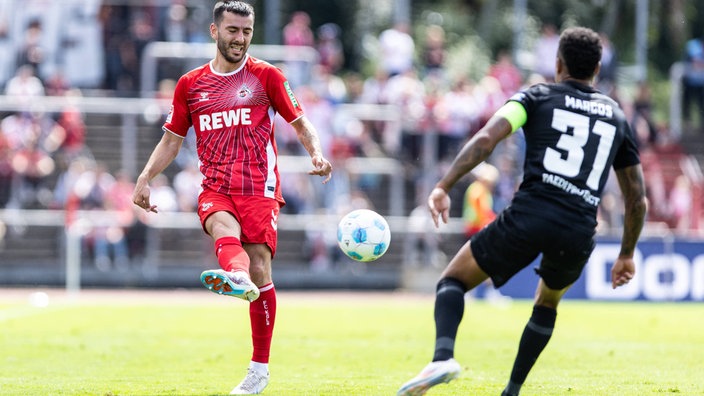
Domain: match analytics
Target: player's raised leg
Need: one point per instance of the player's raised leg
(232, 279)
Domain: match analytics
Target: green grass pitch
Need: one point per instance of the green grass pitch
(197, 343)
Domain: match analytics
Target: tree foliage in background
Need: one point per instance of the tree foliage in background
(671, 23)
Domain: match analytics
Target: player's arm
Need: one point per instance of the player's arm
(163, 154)
(308, 136)
(630, 180)
(505, 121)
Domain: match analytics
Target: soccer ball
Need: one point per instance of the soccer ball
(363, 235)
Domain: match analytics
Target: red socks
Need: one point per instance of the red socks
(231, 256)
(262, 313)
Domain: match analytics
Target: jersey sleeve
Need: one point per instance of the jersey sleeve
(282, 97)
(627, 154)
(527, 97)
(514, 113)
(179, 119)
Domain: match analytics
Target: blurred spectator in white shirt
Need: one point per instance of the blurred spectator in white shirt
(545, 50)
(187, 184)
(397, 49)
(25, 84)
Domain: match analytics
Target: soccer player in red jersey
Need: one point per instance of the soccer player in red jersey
(231, 103)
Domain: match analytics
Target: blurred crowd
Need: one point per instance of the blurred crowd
(45, 163)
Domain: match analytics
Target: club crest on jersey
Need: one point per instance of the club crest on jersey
(203, 97)
(244, 92)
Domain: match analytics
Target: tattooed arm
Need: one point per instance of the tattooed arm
(476, 150)
(632, 186)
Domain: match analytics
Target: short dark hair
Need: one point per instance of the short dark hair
(236, 7)
(580, 50)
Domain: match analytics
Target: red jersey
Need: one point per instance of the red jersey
(233, 118)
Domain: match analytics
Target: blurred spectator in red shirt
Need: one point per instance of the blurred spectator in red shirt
(298, 33)
(6, 171)
(330, 48)
(31, 165)
(505, 71)
(71, 120)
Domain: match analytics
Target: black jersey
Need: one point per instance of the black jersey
(574, 135)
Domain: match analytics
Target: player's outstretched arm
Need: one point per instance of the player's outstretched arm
(476, 150)
(308, 137)
(630, 180)
(163, 154)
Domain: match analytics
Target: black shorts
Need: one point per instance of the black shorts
(516, 239)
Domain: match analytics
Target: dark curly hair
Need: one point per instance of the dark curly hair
(236, 7)
(580, 50)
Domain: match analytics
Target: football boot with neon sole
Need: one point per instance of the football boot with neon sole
(227, 283)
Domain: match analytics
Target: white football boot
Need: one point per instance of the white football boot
(252, 384)
(434, 373)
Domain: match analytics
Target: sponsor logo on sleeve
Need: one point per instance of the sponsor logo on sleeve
(290, 94)
(171, 114)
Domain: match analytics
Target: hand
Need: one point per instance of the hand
(622, 272)
(140, 197)
(322, 168)
(439, 205)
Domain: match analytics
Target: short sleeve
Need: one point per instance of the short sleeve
(282, 97)
(179, 120)
(627, 154)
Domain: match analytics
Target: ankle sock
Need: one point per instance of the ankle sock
(261, 368)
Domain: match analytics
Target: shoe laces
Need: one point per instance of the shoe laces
(238, 277)
(252, 380)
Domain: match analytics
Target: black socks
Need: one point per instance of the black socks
(535, 337)
(449, 308)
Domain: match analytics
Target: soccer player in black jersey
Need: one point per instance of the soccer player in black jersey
(574, 135)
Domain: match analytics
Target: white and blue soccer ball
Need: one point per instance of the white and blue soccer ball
(363, 235)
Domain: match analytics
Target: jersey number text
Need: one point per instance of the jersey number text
(573, 144)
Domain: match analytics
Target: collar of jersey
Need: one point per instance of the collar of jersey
(212, 69)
